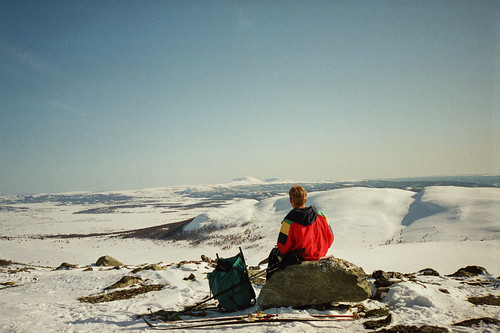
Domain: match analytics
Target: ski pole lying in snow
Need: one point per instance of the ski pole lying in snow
(261, 273)
(257, 318)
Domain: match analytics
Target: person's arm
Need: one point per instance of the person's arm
(331, 236)
(285, 241)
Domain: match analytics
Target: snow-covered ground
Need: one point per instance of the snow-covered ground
(442, 227)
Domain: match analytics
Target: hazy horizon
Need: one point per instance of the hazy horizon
(105, 96)
(247, 180)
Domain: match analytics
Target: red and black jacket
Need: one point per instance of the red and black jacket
(305, 228)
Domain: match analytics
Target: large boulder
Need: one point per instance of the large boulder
(315, 282)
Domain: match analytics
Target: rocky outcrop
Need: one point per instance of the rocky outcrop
(428, 272)
(66, 266)
(414, 329)
(315, 282)
(469, 271)
(125, 282)
(386, 279)
(152, 267)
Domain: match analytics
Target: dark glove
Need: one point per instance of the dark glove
(292, 258)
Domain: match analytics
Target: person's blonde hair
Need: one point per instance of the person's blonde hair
(298, 195)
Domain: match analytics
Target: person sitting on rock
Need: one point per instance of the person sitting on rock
(305, 233)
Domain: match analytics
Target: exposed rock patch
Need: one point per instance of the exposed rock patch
(386, 279)
(191, 277)
(8, 284)
(469, 271)
(152, 267)
(108, 261)
(4, 262)
(121, 294)
(485, 300)
(478, 321)
(380, 312)
(374, 324)
(414, 329)
(125, 282)
(66, 266)
(428, 272)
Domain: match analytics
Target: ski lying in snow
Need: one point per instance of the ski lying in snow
(245, 319)
(258, 314)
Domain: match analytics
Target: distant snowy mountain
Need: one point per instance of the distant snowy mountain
(246, 181)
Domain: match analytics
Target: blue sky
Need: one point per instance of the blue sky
(108, 95)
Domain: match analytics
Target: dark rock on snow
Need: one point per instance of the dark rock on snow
(469, 271)
(125, 282)
(384, 282)
(386, 279)
(374, 324)
(387, 275)
(379, 312)
(380, 293)
(315, 282)
(428, 272)
(485, 300)
(121, 294)
(152, 267)
(66, 265)
(191, 277)
(108, 261)
(206, 259)
(414, 329)
(478, 321)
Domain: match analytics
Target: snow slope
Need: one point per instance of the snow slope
(372, 225)
(453, 214)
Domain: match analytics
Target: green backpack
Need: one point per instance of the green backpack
(230, 285)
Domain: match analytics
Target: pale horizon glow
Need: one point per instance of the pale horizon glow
(107, 96)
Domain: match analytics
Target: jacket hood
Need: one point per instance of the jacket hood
(303, 216)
